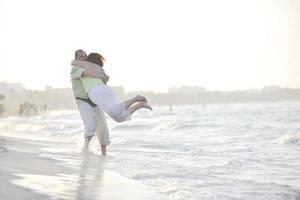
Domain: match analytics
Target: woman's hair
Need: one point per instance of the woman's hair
(95, 58)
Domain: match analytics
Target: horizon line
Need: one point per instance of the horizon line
(203, 88)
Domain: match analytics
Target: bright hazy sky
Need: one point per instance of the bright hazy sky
(154, 44)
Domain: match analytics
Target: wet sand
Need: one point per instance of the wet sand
(26, 174)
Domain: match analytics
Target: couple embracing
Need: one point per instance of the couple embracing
(94, 97)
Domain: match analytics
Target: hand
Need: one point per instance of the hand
(107, 78)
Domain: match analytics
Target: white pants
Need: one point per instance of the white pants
(104, 97)
(94, 121)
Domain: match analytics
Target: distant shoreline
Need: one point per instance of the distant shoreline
(63, 98)
(170, 106)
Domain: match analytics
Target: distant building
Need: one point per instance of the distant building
(14, 94)
(48, 88)
(272, 88)
(187, 90)
(2, 97)
(6, 88)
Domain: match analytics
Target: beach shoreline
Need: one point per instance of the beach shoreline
(27, 173)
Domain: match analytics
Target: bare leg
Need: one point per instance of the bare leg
(134, 108)
(138, 98)
(103, 149)
(87, 142)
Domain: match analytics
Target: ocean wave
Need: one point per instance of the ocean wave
(175, 126)
(3, 145)
(40, 127)
(289, 139)
(131, 126)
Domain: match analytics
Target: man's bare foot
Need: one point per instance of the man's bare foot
(141, 98)
(146, 105)
(103, 150)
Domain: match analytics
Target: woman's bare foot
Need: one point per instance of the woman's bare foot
(146, 105)
(87, 142)
(139, 105)
(140, 98)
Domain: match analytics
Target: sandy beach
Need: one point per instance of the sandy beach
(26, 173)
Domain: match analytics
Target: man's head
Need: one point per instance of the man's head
(80, 55)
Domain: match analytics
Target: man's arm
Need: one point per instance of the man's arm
(85, 64)
(76, 72)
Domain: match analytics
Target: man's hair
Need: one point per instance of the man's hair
(76, 52)
(95, 58)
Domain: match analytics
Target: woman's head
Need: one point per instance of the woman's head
(95, 58)
(80, 55)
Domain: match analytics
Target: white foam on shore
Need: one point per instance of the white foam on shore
(289, 139)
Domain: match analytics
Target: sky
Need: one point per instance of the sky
(154, 44)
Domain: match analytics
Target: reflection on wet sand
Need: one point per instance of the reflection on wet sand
(57, 170)
(83, 184)
(90, 177)
(89, 181)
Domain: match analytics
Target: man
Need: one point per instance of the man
(92, 116)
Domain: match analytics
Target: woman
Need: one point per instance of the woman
(103, 95)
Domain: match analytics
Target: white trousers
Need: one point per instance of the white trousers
(104, 97)
(94, 121)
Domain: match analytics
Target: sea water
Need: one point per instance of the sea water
(217, 151)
